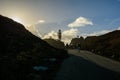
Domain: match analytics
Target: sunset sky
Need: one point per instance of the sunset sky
(73, 17)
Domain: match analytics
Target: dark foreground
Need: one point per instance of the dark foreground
(77, 68)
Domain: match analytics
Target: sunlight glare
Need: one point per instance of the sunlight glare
(18, 20)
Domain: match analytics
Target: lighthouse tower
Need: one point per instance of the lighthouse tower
(59, 35)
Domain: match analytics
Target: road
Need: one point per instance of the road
(85, 65)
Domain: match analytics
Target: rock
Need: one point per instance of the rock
(105, 45)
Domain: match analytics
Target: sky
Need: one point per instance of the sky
(74, 17)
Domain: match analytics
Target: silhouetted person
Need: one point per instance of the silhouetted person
(67, 46)
(78, 47)
(77, 36)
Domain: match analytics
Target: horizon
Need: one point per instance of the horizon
(74, 17)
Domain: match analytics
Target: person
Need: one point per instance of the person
(78, 46)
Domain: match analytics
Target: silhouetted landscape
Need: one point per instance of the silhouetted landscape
(23, 56)
(106, 45)
(59, 39)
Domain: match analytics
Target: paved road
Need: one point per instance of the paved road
(85, 65)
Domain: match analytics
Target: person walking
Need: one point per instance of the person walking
(78, 46)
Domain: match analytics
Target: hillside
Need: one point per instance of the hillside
(106, 45)
(24, 56)
(55, 43)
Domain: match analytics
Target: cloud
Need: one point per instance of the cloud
(41, 21)
(80, 22)
(51, 34)
(48, 29)
(97, 33)
(67, 35)
(118, 28)
(33, 30)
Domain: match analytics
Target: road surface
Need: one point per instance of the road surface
(85, 65)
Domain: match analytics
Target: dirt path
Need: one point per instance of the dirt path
(87, 66)
(99, 60)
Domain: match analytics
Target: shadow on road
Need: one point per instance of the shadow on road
(77, 68)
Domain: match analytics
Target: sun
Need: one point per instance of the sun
(17, 20)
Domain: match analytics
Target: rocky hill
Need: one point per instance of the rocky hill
(106, 45)
(55, 43)
(23, 56)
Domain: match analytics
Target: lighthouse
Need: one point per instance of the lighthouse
(59, 35)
